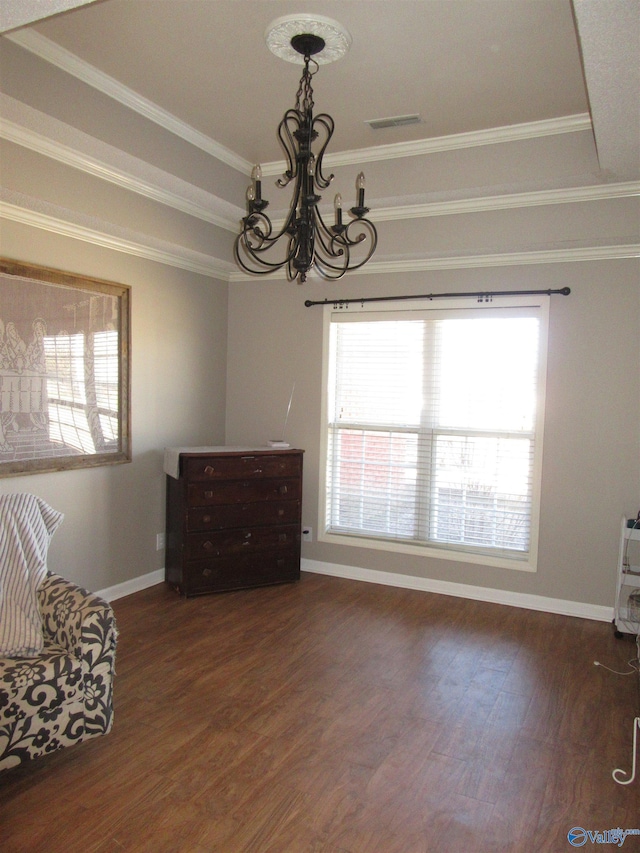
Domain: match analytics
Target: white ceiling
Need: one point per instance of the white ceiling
(463, 65)
(610, 42)
(17, 13)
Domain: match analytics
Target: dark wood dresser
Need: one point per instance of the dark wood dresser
(233, 518)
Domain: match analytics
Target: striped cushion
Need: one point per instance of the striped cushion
(27, 524)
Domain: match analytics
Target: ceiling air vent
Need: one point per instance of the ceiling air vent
(393, 121)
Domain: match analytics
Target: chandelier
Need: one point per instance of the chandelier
(305, 241)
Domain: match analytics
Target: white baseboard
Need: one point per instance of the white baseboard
(461, 590)
(478, 593)
(134, 585)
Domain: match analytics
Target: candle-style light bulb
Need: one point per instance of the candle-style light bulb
(338, 206)
(360, 188)
(256, 177)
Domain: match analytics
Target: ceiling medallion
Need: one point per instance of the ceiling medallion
(279, 34)
(305, 241)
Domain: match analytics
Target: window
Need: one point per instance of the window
(433, 428)
(65, 370)
(82, 390)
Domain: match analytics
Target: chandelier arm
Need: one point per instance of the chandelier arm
(265, 241)
(333, 271)
(255, 259)
(253, 270)
(361, 238)
(334, 244)
(330, 271)
(257, 227)
(285, 134)
(254, 254)
(254, 222)
(329, 274)
(327, 123)
(346, 242)
(290, 223)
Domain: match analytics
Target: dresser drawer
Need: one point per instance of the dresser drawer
(242, 515)
(242, 491)
(241, 467)
(216, 543)
(240, 572)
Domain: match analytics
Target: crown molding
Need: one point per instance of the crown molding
(569, 195)
(502, 259)
(454, 142)
(52, 139)
(490, 136)
(56, 55)
(66, 224)
(459, 262)
(508, 201)
(72, 64)
(48, 217)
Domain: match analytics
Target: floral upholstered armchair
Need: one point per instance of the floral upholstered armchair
(56, 678)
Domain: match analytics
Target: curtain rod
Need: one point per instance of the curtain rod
(482, 296)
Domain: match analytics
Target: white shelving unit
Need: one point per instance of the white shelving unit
(627, 617)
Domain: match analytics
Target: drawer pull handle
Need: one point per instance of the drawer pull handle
(209, 470)
(282, 537)
(280, 513)
(283, 490)
(208, 494)
(206, 519)
(207, 572)
(208, 546)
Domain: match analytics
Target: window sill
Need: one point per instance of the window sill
(527, 564)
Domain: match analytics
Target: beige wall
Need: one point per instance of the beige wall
(112, 513)
(591, 468)
(178, 324)
(214, 362)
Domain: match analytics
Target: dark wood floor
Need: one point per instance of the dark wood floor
(341, 717)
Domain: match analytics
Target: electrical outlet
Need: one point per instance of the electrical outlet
(159, 541)
(307, 534)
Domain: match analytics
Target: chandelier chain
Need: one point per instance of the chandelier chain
(304, 95)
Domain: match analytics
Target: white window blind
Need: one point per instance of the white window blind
(434, 427)
(82, 390)
(106, 381)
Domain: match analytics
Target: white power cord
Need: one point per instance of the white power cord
(633, 663)
(618, 773)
